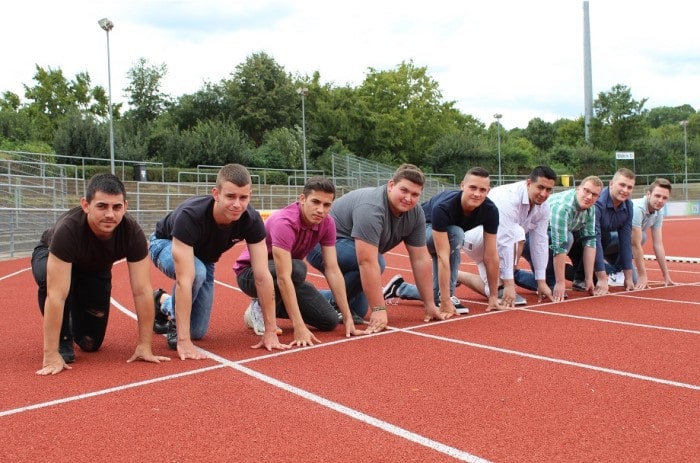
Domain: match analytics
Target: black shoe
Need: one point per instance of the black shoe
(391, 290)
(171, 335)
(65, 348)
(160, 323)
(357, 320)
(578, 285)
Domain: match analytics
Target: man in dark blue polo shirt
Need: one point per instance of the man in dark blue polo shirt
(614, 212)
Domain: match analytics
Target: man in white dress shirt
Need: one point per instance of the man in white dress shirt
(523, 211)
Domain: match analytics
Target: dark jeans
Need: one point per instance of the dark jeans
(86, 310)
(315, 309)
(347, 260)
(611, 255)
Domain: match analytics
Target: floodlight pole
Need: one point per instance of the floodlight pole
(107, 26)
(498, 129)
(685, 155)
(303, 91)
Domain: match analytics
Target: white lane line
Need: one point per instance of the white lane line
(585, 366)
(4, 277)
(355, 414)
(88, 395)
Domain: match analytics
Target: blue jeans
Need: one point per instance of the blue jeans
(455, 235)
(161, 252)
(347, 260)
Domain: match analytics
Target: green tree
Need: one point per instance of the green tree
(406, 114)
(620, 119)
(540, 133)
(53, 97)
(146, 100)
(261, 97)
(656, 117)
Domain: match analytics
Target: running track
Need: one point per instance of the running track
(613, 378)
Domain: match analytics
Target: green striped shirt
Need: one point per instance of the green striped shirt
(567, 216)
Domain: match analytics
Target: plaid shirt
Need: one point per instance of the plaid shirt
(567, 216)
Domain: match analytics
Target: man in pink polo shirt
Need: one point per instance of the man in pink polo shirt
(292, 232)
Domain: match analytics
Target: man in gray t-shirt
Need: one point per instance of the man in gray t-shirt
(370, 222)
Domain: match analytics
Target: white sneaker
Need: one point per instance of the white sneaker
(616, 279)
(458, 305)
(519, 300)
(253, 317)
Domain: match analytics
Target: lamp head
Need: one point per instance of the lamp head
(105, 24)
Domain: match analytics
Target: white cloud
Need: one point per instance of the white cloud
(520, 59)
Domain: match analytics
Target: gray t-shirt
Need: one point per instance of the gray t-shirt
(365, 214)
(643, 218)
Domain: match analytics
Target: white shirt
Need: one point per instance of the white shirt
(514, 211)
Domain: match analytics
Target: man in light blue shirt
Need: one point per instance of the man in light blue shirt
(649, 215)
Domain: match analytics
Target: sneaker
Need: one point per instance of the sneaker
(616, 279)
(357, 320)
(458, 305)
(578, 285)
(391, 290)
(171, 335)
(160, 322)
(519, 300)
(253, 317)
(65, 348)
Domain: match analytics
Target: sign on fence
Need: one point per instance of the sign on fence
(624, 154)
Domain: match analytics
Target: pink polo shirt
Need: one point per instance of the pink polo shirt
(286, 230)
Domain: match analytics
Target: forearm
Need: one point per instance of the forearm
(53, 318)
(289, 299)
(559, 264)
(444, 272)
(370, 276)
(183, 309)
(145, 314)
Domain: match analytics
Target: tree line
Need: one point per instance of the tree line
(254, 117)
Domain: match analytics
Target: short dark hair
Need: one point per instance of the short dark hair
(625, 172)
(234, 173)
(318, 183)
(660, 182)
(542, 171)
(409, 172)
(477, 172)
(105, 183)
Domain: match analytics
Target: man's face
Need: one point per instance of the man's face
(587, 194)
(621, 188)
(403, 196)
(104, 213)
(230, 202)
(474, 191)
(315, 206)
(657, 198)
(539, 191)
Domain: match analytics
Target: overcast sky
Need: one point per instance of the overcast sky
(522, 59)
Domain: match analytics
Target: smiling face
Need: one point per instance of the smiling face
(403, 195)
(315, 206)
(474, 191)
(621, 188)
(539, 191)
(104, 213)
(657, 198)
(230, 202)
(587, 194)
